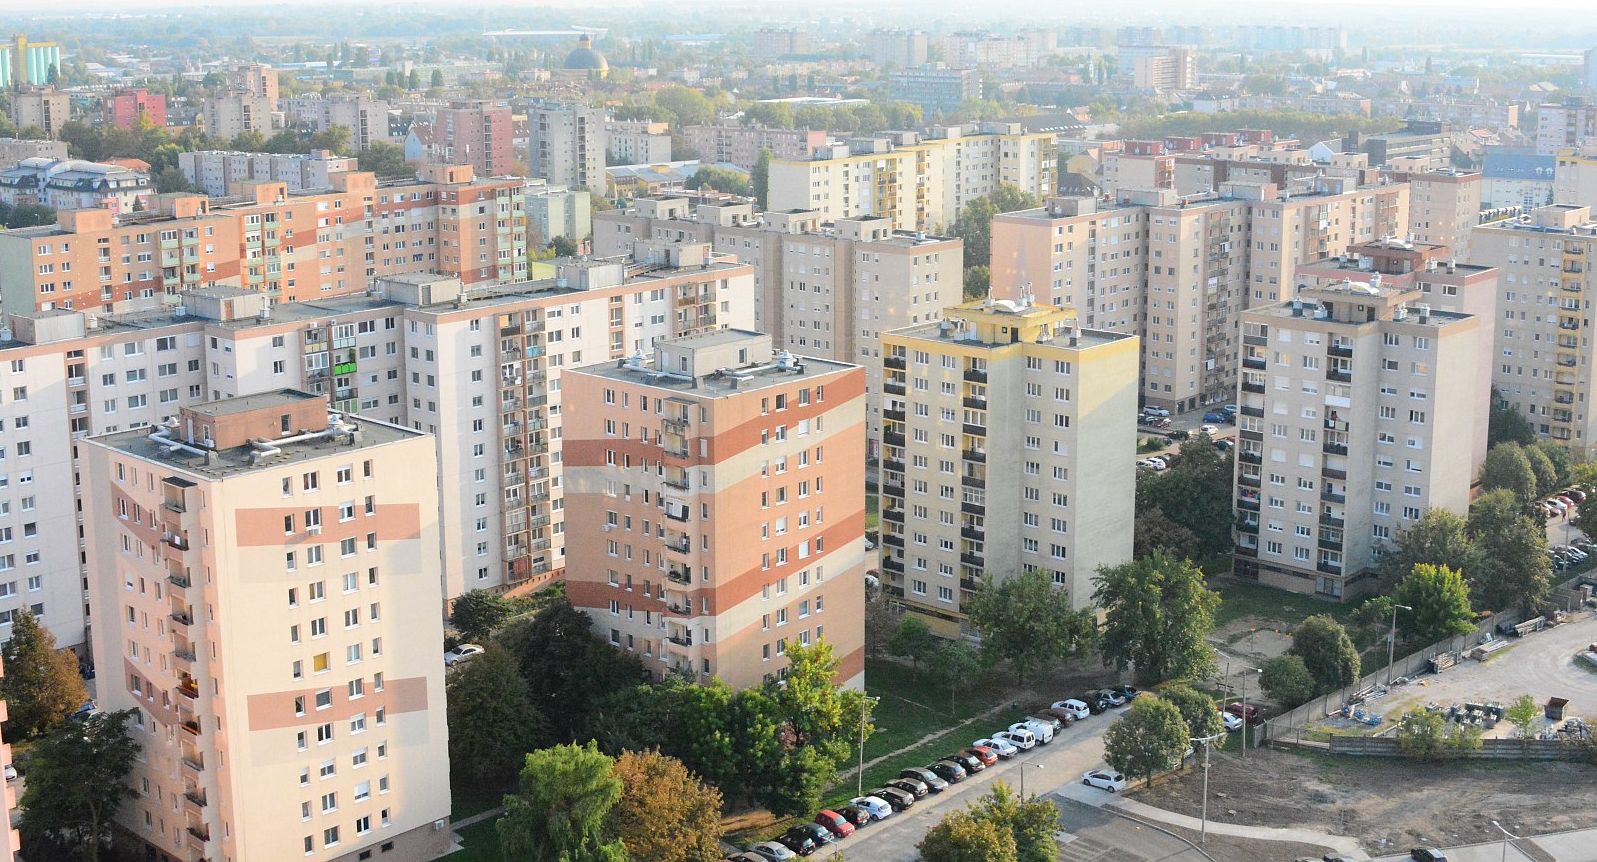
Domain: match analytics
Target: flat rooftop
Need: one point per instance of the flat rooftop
(1084, 338)
(251, 403)
(225, 463)
(751, 378)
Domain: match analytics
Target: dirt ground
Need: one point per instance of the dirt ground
(1244, 644)
(1387, 804)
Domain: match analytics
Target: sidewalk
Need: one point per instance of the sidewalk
(1339, 843)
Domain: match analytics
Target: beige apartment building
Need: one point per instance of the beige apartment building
(1178, 270)
(47, 108)
(290, 246)
(1575, 176)
(717, 507)
(1006, 447)
(247, 105)
(477, 367)
(638, 142)
(822, 289)
(1355, 401)
(264, 572)
(1543, 347)
(920, 184)
(566, 144)
(1443, 207)
(741, 145)
(220, 173)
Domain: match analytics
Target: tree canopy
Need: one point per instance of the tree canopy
(1026, 621)
(562, 809)
(41, 683)
(964, 837)
(1327, 652)
(1148, 737)
(1157, 613)
(1515, 570)
(1287, 680)
(492, 722)
(1440, 601)
(1197, 709)
(1508, 467)
(569, 671)
(665, 813)
(77, 781)
(1195, 495)
(974, 223)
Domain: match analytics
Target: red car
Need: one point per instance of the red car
(983, 753)
(835, 823)
(1249, 713)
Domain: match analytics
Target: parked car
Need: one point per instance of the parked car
(1104, 779)
(1576, 494)
(1225, 444)
(1064, 717)
(1229, 408)
(1093, 702)
(1076, 708)
(1217, 416)
(1335, 857)
(11, 772)
(751, 856)
(1249, 713)
(1024, 740)
(1052, 722)
(1002, 747)
(773, 851)
(1156, 411)
(926, 777)
(914, 788)
(856, 814)
(1114, 697)
(819, 833)
(986, 756)
(894, 797)
(1232, 723)
(1179, 434)
(835, 823)
(949, 771)
(463, 652)
(1043, 732)
(971, 763)
(798, 840)
(1129, 692)
(1427, 854)
(1208, 429)
(877, 807)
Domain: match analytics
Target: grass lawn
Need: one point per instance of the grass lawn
(479, 843)
(956, 737)
(1239, 601)
(912, 707)
(473, 799)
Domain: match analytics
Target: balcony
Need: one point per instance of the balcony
(893, 539)
(1250, 434)
(1247, 550)
(1332, 521)
(680, 516)
(895, 492)
(183, 618)
(199, 833)
(177, 541)
(977, 455)
(973, 560)
(1344, 351)
(894, 515)
(892, 388)
(974, 534)
(1250, 457)
(1333, 473)
(892, 564)
(970, 508)
(975, 403)
(679, 576)
(190, 725)
(969, 584)
(1255, 412)
(1248, 527)
(893, 415)
(892, 466)
(1330, 568)
(973, 375)
(179, 581)
(1330, 448)
(975, 430)
(1247, 481)
(1331, 496)
(892, 438)
(185, 654)
(189, 689)
(1330, 544)
(1253, 362)
(193, 763)
(682, 640)
(894, 362)
(1338, 375)
(1247, 505)
(1255, 388)
(1256, 340)
(973, 481)
(195, 799)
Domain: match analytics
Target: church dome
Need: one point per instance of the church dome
(584, 58)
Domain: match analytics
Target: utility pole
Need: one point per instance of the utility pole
(1206, 741)
(1391, 642)
(859, 776)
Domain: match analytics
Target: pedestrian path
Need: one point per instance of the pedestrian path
(1339, 843)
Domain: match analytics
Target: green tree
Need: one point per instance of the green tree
(1031, 822)
(169, 180)
(1506, 425)
(1148, 737)
(1542, 466)
(1440, 601)
(334, 139)
(563, 246)
(1194, 493)
(974, 223)
(1197, 709)
(760, 178)
(41, 683)
(1371, 620)
(720, 179)
(1287, 680)
(1515, 570)
(562, 810)
(386, 160)
(437, 80)
(1157, 613)
(1026, 621)
(478, 612)
(413, 80)
(686, 106)
(1154, 533)
(77, 781)
(977, 280)
(1424, 734)
(964, 837)
(1522, 713)
(665, 813)
(569, 671)
(953, 663)
(1327, 652)
(913, 639)
(492, 722)
(1439, 538)
(1507, 467)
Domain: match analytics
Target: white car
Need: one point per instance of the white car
(1104, 779)
(774, 851)
(1076, 708)
(1232, 723)
(11, 772)
(875, 805)
(464, 652)
(1003, 747)
(1024, 740)
(1156, 411)
(1209, 430)
(1043, 732)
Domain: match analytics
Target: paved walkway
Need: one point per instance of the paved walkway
(1339, 843)
(1579, 845)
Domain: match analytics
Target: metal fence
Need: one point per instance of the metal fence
(1491, 749)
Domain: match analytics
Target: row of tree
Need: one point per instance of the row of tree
(1001, 826)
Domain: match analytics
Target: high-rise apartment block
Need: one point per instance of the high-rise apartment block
(289, 246)
(1178, 270)
(1443, 207)
(128, 108)
(741, 145)
(48, 109)
(478, 367)
(265, 579)
(774, 43)
(1544, 349)
(1565, 125)
(1356, 403)
(1005, 448)
(638, 142)
(936, 89)
(919, 183)
(566, 144)
(716, 507)
(13, 150)
(223, 173)
(367, 119)
(1574, 177)
(246, 106)
(823, 289)
(477, 133)
(902, 48)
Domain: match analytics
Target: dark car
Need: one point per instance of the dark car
(1065, 717)
(949, 771)
(835, 823)
(894, 797)
(970, 762)
(1129, 692)
(1427, 854)
(747, 856)
(854, 814)
(798, 840)
(926, 777)
(1217, 416)
(818, 833)
(986, 755)
(1179, 434)
(1094, 701)
(911, 786)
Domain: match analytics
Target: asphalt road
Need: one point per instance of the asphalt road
(1061, 762)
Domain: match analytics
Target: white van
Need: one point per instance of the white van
(1043, 732)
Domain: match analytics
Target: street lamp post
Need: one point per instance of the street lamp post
(1023, 767)
(1245, 721)
(859, 776)
(1206, 741)
(1391, 642)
